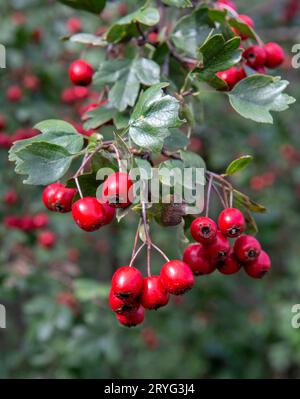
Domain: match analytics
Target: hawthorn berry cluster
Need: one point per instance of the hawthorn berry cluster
(213, 249)
(257, 57)
(7, 140)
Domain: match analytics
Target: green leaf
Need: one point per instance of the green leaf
(178, 3)
(88, 289)
(88, 38)
(176, 140)
(87, 183)
(154, 114)
(238, 164)
(93, 6)
(243, 28)
(124, 152)
(244, 201)
(44, 163)
(192, 30)
(257, 95)
(217, 55)
(55, 126)
(126, 26)
(99, 116)
(127, 76)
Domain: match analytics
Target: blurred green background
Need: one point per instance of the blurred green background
(58, 321)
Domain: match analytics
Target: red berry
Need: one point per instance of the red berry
(255, 56)
(74, 25)
(204, 230)
(58, 198)
(122, 306)
(132, 319)
(219, 248)
(246, 248)
(275, 55)
(127, 282)
(232, 76)
(14, 94)
(81, 73)
(231, 222)
(122, 9)
(31, 82)
(153, 294)
(259, 267)
(228, 3)
(195, 256)
(109, 211)
(177, 277)
(88, 214)
(118, 190)
(47, 239)
(48, 195)
(230, 265)
(11, 197)
(152, 37)
(40, 220)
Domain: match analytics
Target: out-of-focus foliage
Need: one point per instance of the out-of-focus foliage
(58, 323)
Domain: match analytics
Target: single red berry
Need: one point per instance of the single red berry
(246, 248)
(47, 239)
(153, 294)
(40, 220)
(259, 267)
(68, 96)
(232, 76)
(121, 306)
(88, 214)
(219, 248)
(48, 195)
(231, 222)
(177, 277)
(11, 197)
(195, 256)
(118, 190)
(132, 319)
(81, 73)
(203, 230)
(230, 265)
(31, 82)
(74, 25)
(14, 94)
(127, 282)
(153, 37)
(109, 211)
(80, 92)
(275, 55)
(63, 198)
(122, 9)
(255, 56)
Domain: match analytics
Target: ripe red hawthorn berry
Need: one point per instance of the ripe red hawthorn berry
(204, 230)
(122, 9)
(231, 222)
(31, 82)
(177, 277)
(219, 248)
(275, 55)
(40, 220)
(132, 319)
(232, 76)
(153, 294)
(195, 256)
(74, 25)
(14, 94)
(152, 37)
(230, 265)
(47, 239)
(81, 73)
(88, 213)
(109, 211)
(118, 190)
(58, 198)
(127, 282)
(122, 306)
(11, 197)
(246, 248)
(259, 267)
(255, 56)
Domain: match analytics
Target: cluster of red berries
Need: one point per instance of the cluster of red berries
(27, 223)
(89, 213)
(213, 250)
(131, 294)
(257, 57)
(7, 140)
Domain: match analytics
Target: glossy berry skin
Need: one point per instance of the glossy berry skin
(177, 277)
(246, 248)
(195, 256)
(153, 294)
(122, 306)
(232, 76)
(47, 239)
(81, 73)
(132, 319)
(231, 222)
(58, 198)
(275, 55)
(259, 267)
(219, 248)
(255, 56)
(118, 190)
(204, 230)
(88, 214)
(127, 282)
(109, 211)
(228, 3)
(230, 265)
(49, 193)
